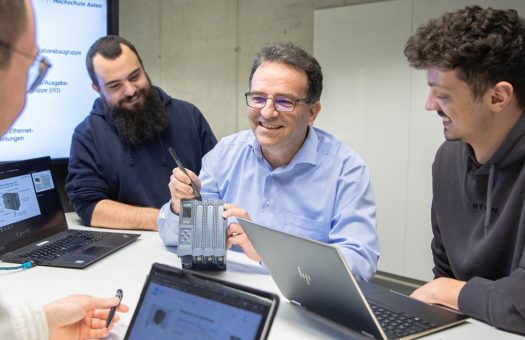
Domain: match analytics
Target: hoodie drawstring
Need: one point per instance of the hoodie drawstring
(488, 212)
(164, 160)
(131, 161)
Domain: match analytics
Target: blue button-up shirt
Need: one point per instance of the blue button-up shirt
(323, 194)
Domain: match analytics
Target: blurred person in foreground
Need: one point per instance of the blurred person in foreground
(21, 66)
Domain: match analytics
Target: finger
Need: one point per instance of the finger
(123, 308)
(234, 211)
(229, 243)
(419, 293)
(103, 303)
(193, 177)
(234, 229)
(180, 189)
(182, 177)
(102, 314)
(234, 239)
(101, 323)
(184, 184)
(247, 247)
(99, 333)
(179, 181)
(243, 242)
(227, 206)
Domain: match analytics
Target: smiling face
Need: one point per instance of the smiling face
(122, 81)
(464, 117)
(281, 134)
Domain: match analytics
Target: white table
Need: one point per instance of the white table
(128, 267)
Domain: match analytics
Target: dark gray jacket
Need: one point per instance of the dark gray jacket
(478, 221)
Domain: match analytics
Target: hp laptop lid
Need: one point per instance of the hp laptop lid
(182, 304)
(32, 218)
(315, 276)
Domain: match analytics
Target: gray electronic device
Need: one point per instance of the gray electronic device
(202, 235)
(11, 200)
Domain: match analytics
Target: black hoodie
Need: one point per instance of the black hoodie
(478, 221)
(101, 166)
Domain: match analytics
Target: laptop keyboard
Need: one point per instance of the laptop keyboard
(399, 324)
(78, 240)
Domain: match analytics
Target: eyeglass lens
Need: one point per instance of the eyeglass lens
(36, 73)
(279, 103)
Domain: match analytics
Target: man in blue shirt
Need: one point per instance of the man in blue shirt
(284, 173)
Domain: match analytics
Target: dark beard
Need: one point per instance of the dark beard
(142, 123)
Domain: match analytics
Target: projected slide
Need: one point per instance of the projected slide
(18, 201)
(65, 31)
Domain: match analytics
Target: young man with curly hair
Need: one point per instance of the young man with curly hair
(475, 63)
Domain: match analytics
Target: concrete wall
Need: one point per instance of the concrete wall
(201, 50)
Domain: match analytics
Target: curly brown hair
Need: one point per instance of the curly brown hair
(483, 46)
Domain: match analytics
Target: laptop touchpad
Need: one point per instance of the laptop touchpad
(94, 251)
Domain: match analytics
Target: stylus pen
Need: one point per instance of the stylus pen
(112, 311)
(183, 169)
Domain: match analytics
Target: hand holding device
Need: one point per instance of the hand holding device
(112, 311)
(183, 169)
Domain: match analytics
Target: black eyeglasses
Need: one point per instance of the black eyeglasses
(38, 69)
(280, 103)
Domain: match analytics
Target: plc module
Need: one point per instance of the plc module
(202, 235)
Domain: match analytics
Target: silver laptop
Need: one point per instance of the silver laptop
(314, 275)
(33, 226)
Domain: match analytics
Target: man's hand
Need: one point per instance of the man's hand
(235, 233)
(180, 187)
(81, 317)
(443, 291)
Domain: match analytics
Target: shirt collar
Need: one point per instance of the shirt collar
(306, 154)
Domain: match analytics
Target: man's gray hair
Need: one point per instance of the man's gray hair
(288, 53)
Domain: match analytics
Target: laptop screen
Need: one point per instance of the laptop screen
(30, 207)
(179, 304)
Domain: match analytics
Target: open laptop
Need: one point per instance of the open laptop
(33, 224)
(314, 275)
(181, 304)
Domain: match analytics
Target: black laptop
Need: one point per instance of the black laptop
(33, 224)
(182, 304)
(314, 275)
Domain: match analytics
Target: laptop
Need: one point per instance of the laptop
(182, 304)
(33, 224)
(314, 275)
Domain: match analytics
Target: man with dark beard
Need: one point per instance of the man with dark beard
(119, 163)
(143, 123)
